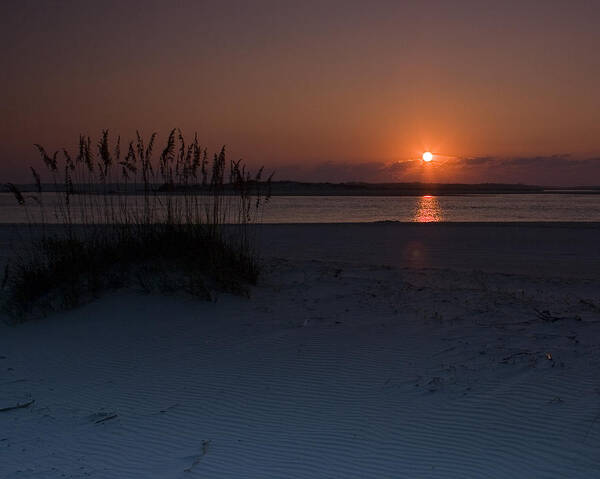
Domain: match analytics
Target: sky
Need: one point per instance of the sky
(315, 90)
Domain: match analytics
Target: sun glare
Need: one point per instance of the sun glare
(428, 210)
(427, 156)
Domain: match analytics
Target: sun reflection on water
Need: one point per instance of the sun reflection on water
(428, 210)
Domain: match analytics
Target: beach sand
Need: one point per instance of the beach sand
(365, 351)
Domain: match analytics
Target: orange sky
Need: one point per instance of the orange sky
(318, 90)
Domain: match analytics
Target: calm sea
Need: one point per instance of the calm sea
(336, 209)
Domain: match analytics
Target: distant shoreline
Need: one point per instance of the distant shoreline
(294, 188)
(285, 188)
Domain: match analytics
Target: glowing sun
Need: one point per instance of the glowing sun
(427, 156)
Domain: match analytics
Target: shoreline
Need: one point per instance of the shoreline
(298, 188)
(377, 222)
(534, 249)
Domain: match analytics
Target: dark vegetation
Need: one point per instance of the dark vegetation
(299, 188)
(283, 188)
(115, 218)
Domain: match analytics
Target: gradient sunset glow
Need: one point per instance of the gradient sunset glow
(318, 91)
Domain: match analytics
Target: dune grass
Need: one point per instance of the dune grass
(176, 222)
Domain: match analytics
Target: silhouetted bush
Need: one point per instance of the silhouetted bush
(177, 222)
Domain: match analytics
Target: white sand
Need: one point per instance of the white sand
(335, 367)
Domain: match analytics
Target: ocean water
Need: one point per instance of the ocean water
(424, 209)
(350, 209)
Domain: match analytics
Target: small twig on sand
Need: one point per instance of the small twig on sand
(18, 406)
(107, 418)
(169, 408)
(512, 356)
(591, 426)
(205, 446)
(590, 304)
(548, 317)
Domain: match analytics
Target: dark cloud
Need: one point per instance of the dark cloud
(337, 172)
(545, 161)
(559, 169)
(552, 170)
(478, 161)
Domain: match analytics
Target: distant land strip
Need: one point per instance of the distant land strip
(296, 188)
